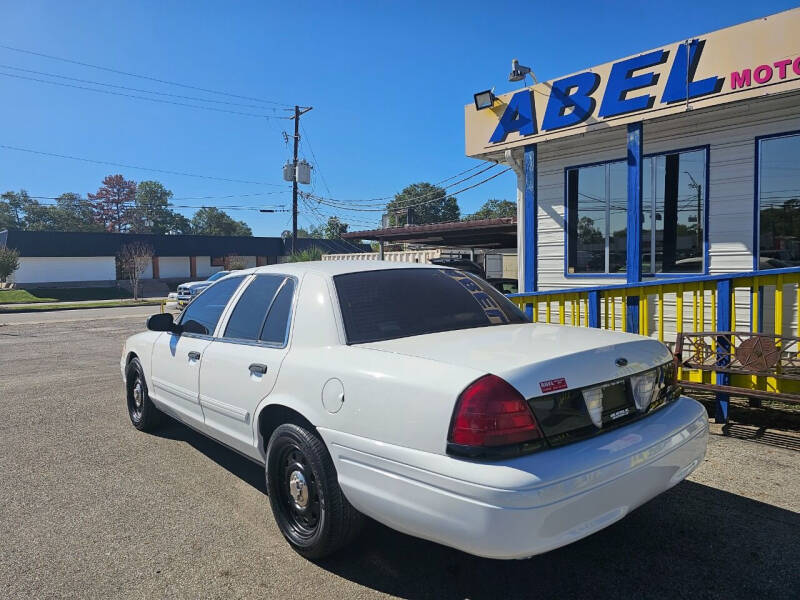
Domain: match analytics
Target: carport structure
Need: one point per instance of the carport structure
(479, 233)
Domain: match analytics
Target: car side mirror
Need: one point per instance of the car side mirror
(162, 322)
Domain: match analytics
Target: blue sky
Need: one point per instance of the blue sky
(387, 80)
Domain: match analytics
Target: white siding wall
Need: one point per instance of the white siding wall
(730, 133)
(50, 269)
(203, 267)
(173, 266)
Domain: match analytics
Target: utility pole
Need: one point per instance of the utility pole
(297, 112)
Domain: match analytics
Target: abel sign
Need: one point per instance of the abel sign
(748, 60)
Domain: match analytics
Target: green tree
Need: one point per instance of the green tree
(429, 204)
(40, 217)
(73, 213)
(334, 228)
(495, 209)
(587, 232)
(212, 221)
(6, 216)
(13, 209)
(152, 212)
(9, 262)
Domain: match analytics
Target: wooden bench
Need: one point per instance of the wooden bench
(742, 353)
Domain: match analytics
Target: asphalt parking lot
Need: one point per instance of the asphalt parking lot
(91, 508)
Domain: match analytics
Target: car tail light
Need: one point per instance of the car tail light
(645, 386)
(491, 414)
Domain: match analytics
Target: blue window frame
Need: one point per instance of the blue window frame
(776, 231)
(674, 232)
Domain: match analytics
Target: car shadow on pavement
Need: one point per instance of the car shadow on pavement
(228, 459)
(693, 541)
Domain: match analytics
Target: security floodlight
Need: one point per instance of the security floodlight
(484, 99)
(518, 71)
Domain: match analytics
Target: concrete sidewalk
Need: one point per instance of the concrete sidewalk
(80, 314)
(73, 302)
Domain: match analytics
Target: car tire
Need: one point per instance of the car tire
(141, 410)
(307, 502)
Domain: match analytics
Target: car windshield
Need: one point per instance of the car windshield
(395, 303)
(217, 275)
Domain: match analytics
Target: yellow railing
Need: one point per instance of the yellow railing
(764, 302)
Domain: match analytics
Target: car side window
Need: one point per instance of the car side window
(250, 311)
(277, 323)
(203, 312)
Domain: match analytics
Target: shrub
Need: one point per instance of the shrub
(9, 262)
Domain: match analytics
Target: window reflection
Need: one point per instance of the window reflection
(597, 218)
(673, 198)
(779, 202)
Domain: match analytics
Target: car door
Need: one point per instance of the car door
(240, 366)
(177, 357)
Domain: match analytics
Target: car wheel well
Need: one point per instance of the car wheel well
(275, 415)
(130, 357)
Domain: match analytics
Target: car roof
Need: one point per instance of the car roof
(331, 268)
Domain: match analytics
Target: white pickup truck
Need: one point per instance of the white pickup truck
(187, 291)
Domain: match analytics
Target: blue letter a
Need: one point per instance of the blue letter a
(518, 116)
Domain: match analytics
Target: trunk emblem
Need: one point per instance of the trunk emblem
(621, 361)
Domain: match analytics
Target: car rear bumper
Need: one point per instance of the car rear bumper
(527, 505)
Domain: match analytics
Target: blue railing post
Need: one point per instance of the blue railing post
(594, 308)
(530, 284)
(634, 233)
(724, 316)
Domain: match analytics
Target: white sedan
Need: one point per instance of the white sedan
(421, 397)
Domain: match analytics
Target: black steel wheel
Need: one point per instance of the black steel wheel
(307, 503)
(143, 414)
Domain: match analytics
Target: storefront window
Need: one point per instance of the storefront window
(779, 202)
(673, 198)
(597, 218)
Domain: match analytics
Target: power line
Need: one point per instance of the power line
(363, 209)
(159, 100)
(132, 89)
(434, 194)
(126, 166)
(307, 141)
(171, 206)
(147, 77)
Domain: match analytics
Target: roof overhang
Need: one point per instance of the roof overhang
(479, 233)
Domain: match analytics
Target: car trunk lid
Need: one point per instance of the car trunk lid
(537, 359)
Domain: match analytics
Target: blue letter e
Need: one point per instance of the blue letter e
(518, 116)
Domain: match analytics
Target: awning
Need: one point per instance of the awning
(478, 233)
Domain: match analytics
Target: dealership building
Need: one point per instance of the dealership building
(680, 161)
(89, 258)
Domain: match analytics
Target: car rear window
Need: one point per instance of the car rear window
(395, 303)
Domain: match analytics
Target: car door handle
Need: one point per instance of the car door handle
(193, 355)
(258, 368)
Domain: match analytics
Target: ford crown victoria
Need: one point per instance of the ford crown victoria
(420, 396)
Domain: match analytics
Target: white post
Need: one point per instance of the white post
(514, 160)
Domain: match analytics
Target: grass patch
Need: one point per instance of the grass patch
(42, 306)
(33, 295)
